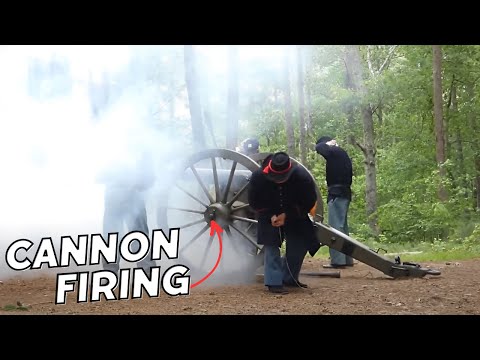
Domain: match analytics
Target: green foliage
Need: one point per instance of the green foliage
(408, 210)
(410, 216)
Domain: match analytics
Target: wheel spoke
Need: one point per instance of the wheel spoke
(223, 176)
(192, 196)
(237, 195)
(192, 223)
(229, 183)
(185, 210)
(215, 179)
(240, 207)
(246, 236)
(241, 218)
(192, 167)
(209, 245)
(232, 240)
(194, 238)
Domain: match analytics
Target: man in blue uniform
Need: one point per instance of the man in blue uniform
(339, 180)
(282, 194)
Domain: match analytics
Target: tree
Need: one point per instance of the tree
(194, 98)
(438, 120)
(288, 105)
(355, 75)
(301, 106)
(233, 105)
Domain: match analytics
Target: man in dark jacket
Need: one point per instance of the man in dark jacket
(339, 180)
(282, 194)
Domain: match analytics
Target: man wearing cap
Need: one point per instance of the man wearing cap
(249, 146)
(282, 194)
(339, 180)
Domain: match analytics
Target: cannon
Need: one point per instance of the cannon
(212, 185)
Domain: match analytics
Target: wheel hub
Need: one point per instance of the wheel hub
(218, 212)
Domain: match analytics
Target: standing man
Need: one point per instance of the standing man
(127, 172)
(339, 180)
(282, 195)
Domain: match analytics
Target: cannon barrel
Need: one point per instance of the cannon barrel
(339, 241)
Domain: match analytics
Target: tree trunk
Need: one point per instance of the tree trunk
(451, 175)
(379, 113)
(203, 81)
(438, 115)
(301, 107)
(308, 90)
(446, 121)
(233, 102)
(194, 98)
(355, 76)
(308, 97)
(348, 107)
(460, 173)
(475, 146)
(288, 107)
(370, 168)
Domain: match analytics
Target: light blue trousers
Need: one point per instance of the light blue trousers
(337, 218)
(279, 270)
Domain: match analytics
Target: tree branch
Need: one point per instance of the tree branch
(388, 58)
(380, 103)
(369, 62)
(355, 142)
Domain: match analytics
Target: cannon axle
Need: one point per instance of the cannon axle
(220, 213)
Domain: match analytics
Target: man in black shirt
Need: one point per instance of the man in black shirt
(282, 194)
(339, 180)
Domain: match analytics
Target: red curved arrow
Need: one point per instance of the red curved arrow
(214, 227)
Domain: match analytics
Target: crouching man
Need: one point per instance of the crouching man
(283, 194)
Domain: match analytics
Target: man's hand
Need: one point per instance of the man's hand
(278, 220)
(332, 143)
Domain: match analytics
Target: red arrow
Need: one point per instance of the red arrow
(214, 228)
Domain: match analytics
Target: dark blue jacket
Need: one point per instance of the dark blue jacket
(295, 198)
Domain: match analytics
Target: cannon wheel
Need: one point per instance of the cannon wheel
(319, 211)
(213, 185)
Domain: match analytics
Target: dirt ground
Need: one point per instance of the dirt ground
(359, 290)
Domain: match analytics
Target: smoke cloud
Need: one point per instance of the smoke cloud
(66, 114)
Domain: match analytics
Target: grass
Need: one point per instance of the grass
(11, 307)
(436, 251)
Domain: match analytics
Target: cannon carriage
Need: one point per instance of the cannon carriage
(212, 185)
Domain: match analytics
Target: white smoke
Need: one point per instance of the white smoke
(52, 149)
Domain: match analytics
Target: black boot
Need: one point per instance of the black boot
(296, 284)
(277, 289)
